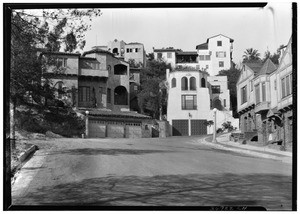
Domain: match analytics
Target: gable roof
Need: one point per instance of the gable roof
(231, 40)
(267, 68)
(254, 66)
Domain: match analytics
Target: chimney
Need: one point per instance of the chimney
(167, 73)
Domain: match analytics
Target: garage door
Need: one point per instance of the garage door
(132, 131)
(180, 127)
(96, 129)
(198, 127)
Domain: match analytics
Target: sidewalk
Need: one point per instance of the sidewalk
(224, 143)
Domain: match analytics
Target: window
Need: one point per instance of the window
(215, 89)
(192, 83)
(127, 50)
(201, 57)
(263, 88)
(108, 95)
(224, 102)
(275, 85)
(169, 55)
(207, 66)
(207, 57)
(61, 62)
(173, 83)
(197, 66)
(283, 87)
(203, 82)
(204, 57)
(221, 54)
(219, 43)
(286, 85)
(184, 83)
(159, 55)
(257, 94)
(244, 94)
(221, 64)
(84, 94)
(136, 50)
(189, 102)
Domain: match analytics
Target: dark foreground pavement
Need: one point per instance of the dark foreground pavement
(149, 172)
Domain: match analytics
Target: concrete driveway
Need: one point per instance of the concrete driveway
(176, 171)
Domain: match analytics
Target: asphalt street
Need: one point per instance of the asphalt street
(176, 171)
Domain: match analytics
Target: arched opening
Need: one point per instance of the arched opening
(217, 104)
(203, 82)
(120, 96)
(115, 51)
(120, 69)
(173, 83)
(192, 83)
(184, 83)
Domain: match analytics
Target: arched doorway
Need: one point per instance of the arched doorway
(217, 104)
(120, 96)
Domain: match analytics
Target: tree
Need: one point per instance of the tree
(273, 57)
(51, 30)
(232, 77)
(152, 98)
(251, 55)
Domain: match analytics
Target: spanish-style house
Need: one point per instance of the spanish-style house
(215, 54)
(192, 96)
(96, 84)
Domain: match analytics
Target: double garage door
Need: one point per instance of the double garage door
(181, 127)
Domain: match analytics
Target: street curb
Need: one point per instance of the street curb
(259, 149)
(23, 156)
(249, 152)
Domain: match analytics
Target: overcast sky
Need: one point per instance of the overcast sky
(184, 28)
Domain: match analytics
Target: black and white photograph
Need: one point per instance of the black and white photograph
(150, 106)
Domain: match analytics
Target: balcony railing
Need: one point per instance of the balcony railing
(94, 73)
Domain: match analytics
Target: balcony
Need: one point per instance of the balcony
(93, 73)
(262, 107)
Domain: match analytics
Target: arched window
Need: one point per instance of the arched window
(120, 69)
(184, 83)
(192, 83)
(203, 82)
(115, 51)
(173, 83)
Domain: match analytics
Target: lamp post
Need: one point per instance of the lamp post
(214, 140)
(87, 124)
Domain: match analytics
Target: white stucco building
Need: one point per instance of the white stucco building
(190, 102)
(216, 54)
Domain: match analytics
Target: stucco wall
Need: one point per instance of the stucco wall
(212, 46)
(139, 57)
(171, 60)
